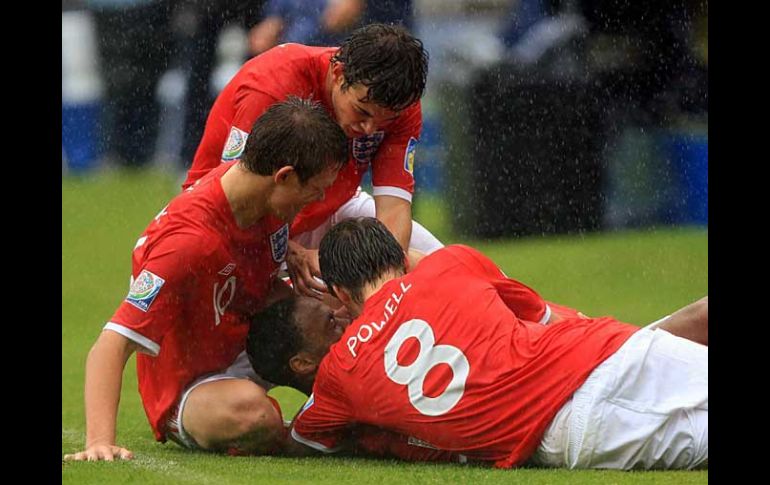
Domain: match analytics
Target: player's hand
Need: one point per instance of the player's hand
(341, 15)
(302, 265)
(264, 35)
(100, 452)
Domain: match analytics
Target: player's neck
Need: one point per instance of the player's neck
(305, 383)
(247, 194)
(376, 285)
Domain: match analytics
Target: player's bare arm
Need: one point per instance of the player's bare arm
(104, 376)
(396, 214)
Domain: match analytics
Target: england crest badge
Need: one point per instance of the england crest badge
(279, 243)
(365, 147)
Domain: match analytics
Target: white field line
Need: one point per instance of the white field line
(168, 468)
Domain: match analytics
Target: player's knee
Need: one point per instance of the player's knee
(255, 418)
(232, 411)
(703, 306)
(701, 310)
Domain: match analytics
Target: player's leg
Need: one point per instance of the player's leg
(645, 407)
(227, 412)
(232, 414)
(690, 322)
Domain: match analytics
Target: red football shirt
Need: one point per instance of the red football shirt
(196, 280)
(295, 69)
(452, 355)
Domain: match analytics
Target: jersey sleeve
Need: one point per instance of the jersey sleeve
(522, 300)
(323, 423)
(153, 305)
(393, 166)
(250, 104)
(373, 441)
(563, 311)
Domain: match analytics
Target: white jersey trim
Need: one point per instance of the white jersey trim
(148, 346)
(546, 316)
(393, 191)
(654, 325)
(313, 444)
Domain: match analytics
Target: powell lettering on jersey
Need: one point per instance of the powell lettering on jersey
(367, 330)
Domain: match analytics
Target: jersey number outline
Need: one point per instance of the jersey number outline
(413, 375)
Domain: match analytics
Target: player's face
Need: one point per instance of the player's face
(290, 196)
(358, 118)
(320, 325)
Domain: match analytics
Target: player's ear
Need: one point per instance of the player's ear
(338, 74)
(282, 175)
(343, 295)
(303, 364)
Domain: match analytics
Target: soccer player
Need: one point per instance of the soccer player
(371, 85)
(452, 356)
(205, 264)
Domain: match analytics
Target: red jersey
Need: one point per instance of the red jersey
(196, 279)
(294, 69)
(371, 441)
(452, 355)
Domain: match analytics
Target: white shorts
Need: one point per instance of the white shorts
(240, 369)
(645, 407)
(362, 205)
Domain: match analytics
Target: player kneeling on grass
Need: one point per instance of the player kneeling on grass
(452, 355)
(205, 264)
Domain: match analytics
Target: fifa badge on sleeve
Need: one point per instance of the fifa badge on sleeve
(236, 142)
(144, 289)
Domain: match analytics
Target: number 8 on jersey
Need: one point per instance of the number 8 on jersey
(413, 375)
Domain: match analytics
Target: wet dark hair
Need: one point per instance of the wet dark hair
(273, 339)
(298, 133)
(359, 251)
(389, 61)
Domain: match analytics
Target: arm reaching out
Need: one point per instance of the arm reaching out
(303, 266)
(104, 375)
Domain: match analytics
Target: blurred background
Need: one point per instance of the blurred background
(540, 116)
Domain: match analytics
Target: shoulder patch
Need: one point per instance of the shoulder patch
(144, 289)
(236, 142)
(409, 155)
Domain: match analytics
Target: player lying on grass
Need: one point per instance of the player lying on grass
(451, 357)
